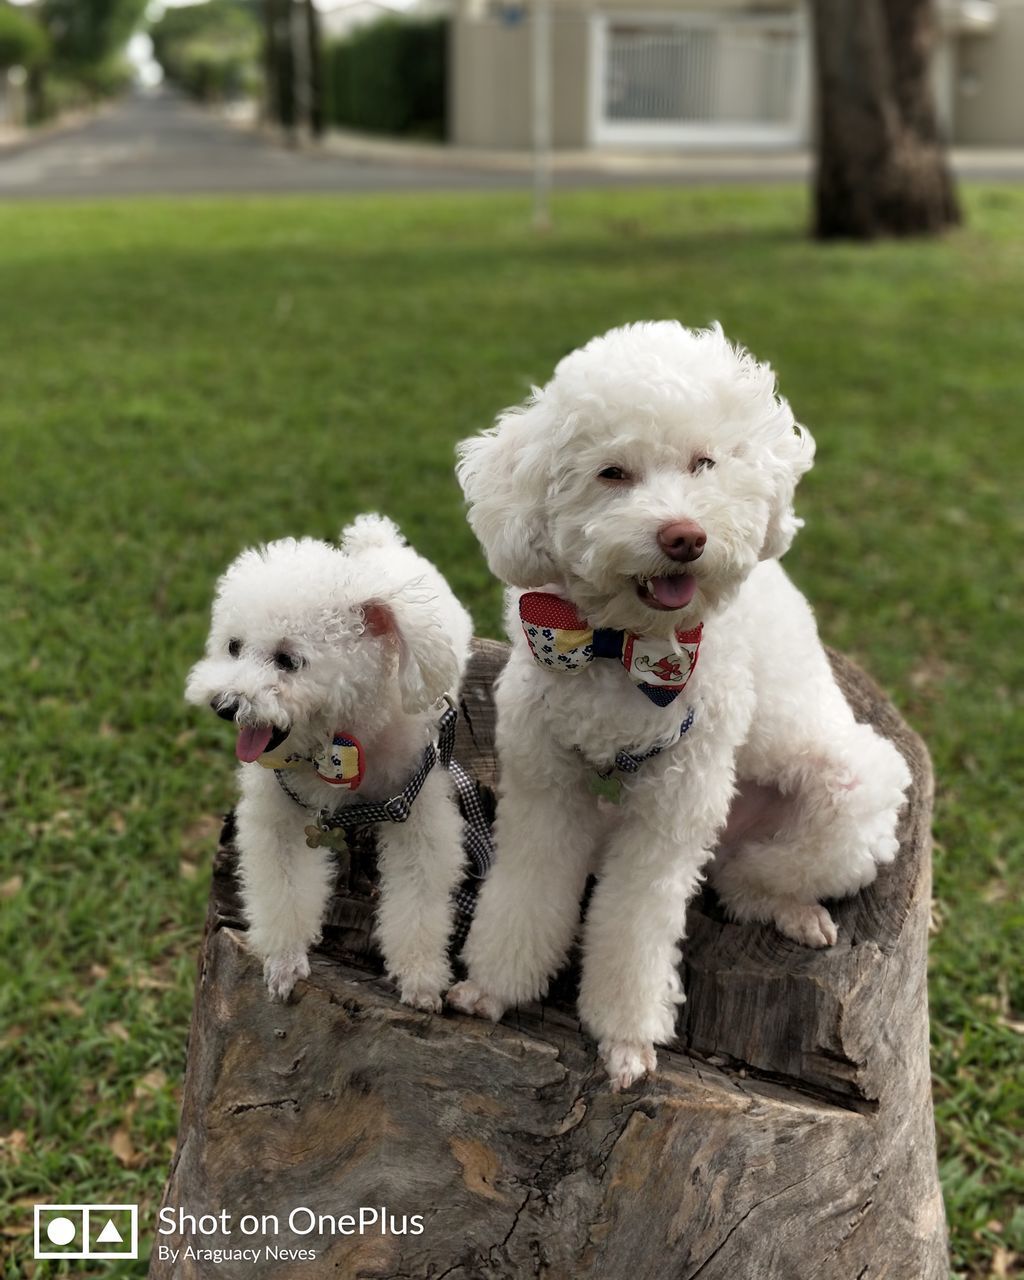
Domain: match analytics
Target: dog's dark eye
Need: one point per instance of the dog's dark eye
(613, 473)
(701, 464)
(234, 648)
(286, 661)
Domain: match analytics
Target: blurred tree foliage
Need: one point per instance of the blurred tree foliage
(390, 77)
(73, 50)
(23, 42)
(89, 34)
(211, 50)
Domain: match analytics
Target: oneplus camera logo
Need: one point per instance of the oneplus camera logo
(86, 1231)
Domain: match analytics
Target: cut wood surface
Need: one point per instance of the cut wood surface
(788, 1133)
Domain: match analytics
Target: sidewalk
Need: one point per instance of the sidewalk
(371, 149)
(993, 164)
(14, 138)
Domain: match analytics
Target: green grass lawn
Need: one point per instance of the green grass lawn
(179, 379)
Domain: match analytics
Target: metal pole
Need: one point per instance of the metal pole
(540, 46)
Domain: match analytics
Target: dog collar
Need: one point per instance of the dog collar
(607, 783)
(340, 762)
(560, 640)
(331, 826)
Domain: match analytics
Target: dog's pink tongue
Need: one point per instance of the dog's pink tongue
(674, 592)
(252, 741)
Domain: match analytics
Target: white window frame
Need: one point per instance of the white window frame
(603, 132)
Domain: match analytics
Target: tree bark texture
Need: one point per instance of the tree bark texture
(787, 1133)
(315, 62)
(881, 169)
(280, 70)
(269, 55)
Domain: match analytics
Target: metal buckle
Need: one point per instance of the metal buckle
(397, 808)
(450, 715)
(444, 747)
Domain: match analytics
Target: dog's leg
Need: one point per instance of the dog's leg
(528, 910)
(630, 986)
(285, 884)
(842, 795)
(420, 862)
(838, 785)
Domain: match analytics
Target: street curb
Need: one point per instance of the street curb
(361, 147)
(32, 135)
(982, 163)
(986, 164)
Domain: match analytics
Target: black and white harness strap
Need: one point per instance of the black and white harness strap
(477, 843)
(398, 808)
(605, 782)
(631, 762)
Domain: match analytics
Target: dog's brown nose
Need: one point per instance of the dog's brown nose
(682, 540)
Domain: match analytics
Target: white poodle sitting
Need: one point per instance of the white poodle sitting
(334, 664)
(659, 655)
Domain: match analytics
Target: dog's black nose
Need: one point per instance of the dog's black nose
(226, 710)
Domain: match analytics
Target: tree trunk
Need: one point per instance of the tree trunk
(279, 55)
(787, 1134)
(881, 169)
(37, 104)
(271, 110)
(314, 56)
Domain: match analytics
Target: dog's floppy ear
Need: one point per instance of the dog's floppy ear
(788, 457)
(428, 660)
(504, 475)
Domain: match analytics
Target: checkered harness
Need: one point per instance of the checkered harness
(630, 761)
(477, 843)
(607, 782)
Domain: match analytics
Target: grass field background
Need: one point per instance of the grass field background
(180, 379)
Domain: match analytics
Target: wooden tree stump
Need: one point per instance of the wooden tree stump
(789, 1132)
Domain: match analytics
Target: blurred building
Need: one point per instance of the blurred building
(703, 73)
(980, 72)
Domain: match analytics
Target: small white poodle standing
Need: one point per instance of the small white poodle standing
(661, 660)
(332, 661)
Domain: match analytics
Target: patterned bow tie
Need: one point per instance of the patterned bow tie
(561, 640)
(339, 762)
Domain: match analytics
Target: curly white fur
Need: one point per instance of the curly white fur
(376, 638)
(694, 431)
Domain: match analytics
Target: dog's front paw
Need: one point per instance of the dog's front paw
(627, 1061)
(812, 926)
(281, 973)
(420, 995)
(467, 997)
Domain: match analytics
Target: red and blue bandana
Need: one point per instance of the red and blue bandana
(561, 641)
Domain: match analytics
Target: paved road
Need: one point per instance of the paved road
(162, 144)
